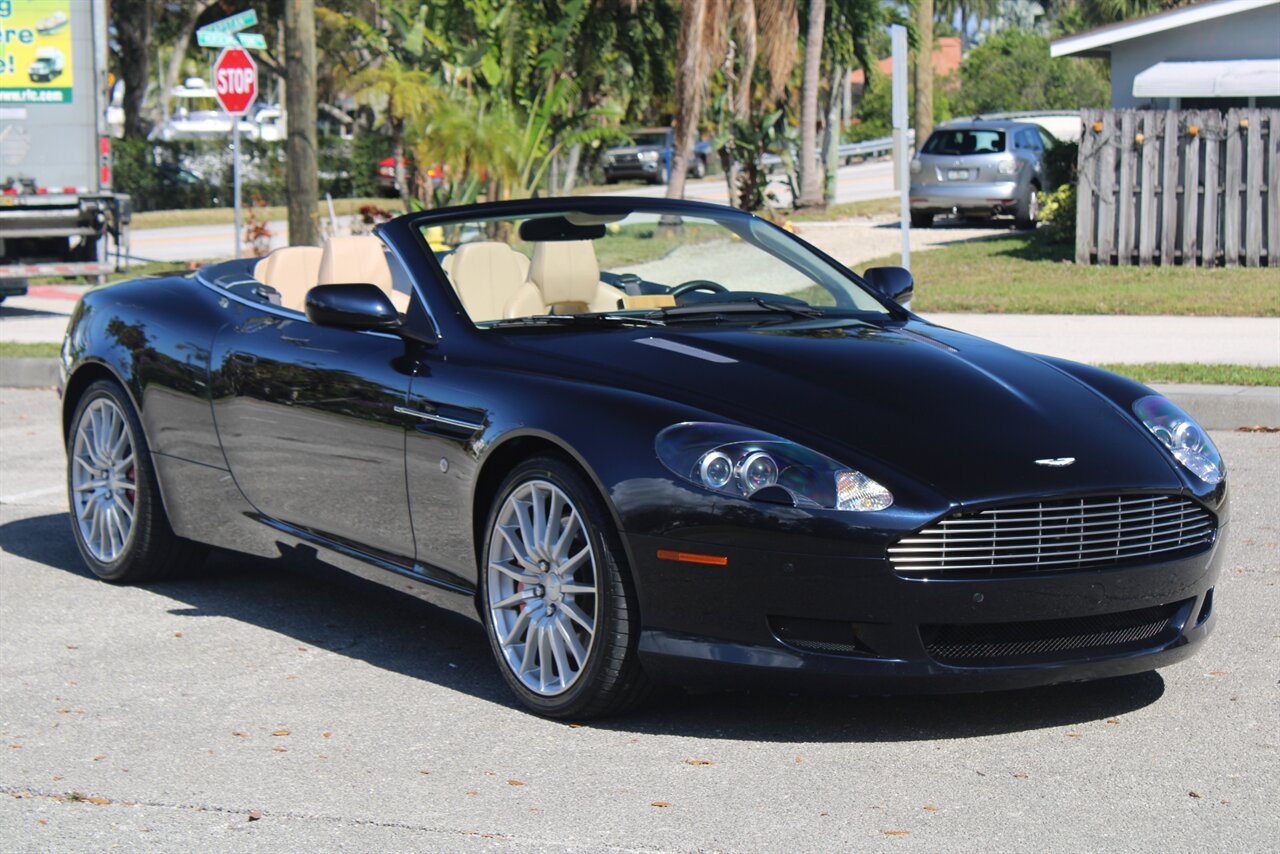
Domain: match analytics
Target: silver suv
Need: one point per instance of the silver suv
(980, 168)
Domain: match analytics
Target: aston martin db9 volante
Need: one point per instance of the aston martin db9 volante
(646, 442)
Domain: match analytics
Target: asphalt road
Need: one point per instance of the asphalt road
(861, 181)
(156, 718)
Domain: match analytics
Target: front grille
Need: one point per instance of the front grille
(1005, 644)
(1062, 534)
(626, 160)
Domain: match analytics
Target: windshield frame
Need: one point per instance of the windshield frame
(414, 226)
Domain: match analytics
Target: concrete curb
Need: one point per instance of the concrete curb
(28, 372)
(1216, 407)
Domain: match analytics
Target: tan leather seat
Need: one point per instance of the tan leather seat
(486, 274)
(564, 278)
(291, 270)
(359, 258)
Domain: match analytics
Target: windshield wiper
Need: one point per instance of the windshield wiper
(578, 320)
(720, 310)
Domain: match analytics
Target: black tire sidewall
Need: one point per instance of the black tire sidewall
(609, 572)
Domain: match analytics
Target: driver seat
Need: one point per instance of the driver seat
(564, 278)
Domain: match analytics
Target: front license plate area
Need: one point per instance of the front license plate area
(957, 174)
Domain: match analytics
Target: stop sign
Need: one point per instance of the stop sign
(235, 80)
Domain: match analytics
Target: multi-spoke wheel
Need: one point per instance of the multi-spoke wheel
(561, 618)
(116, 513)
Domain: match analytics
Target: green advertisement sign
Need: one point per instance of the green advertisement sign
(35, 51)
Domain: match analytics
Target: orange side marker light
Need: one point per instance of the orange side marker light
(691, 557)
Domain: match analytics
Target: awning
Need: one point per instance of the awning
(1233, 78)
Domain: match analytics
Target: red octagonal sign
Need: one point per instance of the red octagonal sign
(235, 80)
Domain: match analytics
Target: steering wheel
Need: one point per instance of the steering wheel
(697, 285)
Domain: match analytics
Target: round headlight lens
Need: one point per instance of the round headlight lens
(1184, 438)
(758, 471)
(716, 469)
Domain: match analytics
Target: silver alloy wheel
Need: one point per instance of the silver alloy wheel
(104, 489)
(543, 587)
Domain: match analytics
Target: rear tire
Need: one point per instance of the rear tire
(557, 603)
(1027, 211)
(699, 168)
(117, 517)
(921, 220)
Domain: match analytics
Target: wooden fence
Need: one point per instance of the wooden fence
(1191, 187)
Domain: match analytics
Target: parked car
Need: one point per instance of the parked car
(387, 184)
(980, 168)
(48, 65)
(638, 456)
(648, 157)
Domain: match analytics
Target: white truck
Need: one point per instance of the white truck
(58, 213)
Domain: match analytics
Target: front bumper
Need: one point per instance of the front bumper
(800, 621)
(644, 169)
(999, 197)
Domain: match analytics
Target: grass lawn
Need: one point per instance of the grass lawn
(847, 210)
(135, 271)
(1187, 372)
(226, 216)
(24, 350)
(1026, 274)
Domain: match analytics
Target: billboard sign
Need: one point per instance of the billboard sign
(35, 51)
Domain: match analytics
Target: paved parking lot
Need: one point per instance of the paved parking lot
(264, 706)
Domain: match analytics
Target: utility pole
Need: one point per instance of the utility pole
(924, 71)
(300, 103)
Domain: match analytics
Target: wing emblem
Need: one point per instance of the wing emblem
(1056, 462)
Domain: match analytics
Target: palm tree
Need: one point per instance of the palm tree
(405, 92)
(924, 70)
(810, 174)
(700, 47)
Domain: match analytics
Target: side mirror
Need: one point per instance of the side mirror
(356, 306)
(892, 282)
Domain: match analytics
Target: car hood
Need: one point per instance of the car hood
(965, 416)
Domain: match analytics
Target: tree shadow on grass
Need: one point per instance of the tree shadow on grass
(303, 597)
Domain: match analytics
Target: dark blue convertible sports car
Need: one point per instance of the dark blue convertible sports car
(646, 441)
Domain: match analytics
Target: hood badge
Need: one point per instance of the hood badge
(1056, 462)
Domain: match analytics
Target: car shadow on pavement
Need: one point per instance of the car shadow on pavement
(10, 312)
(317, 604)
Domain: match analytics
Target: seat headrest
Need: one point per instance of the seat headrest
(485, 261)
(348, 260)
(565, 271)
(291, 270)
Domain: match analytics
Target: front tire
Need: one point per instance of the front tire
(699, 168)
(558, 608)
(117, 517)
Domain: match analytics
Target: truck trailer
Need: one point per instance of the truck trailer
(59, 215)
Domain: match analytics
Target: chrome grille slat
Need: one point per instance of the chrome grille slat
(1054, 535)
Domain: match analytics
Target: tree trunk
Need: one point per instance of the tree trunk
(747, 35)
(831, 136)
(690, 81)
(571, 169)
(174, 67)
(402, 168)
(301, 178)
(810, 172)
(924, 71)
(134, 58)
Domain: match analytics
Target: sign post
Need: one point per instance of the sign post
(901, 166)
(235, 82)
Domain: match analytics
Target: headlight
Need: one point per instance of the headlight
(1184, 438)
(1009, 167)
(648, 155)
(742, 462)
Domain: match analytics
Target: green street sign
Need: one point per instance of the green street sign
(253, 41)
(239, 21)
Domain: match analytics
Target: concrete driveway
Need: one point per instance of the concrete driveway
(280, 705)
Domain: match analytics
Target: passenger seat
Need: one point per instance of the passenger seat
(359, 258)
(291, 270)
(486, 274)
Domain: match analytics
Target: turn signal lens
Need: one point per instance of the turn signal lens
(855, 491)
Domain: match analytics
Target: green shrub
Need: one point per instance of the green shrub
(1058, 212)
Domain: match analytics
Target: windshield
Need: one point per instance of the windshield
(656, 139)
(964, 141)
(581, 264)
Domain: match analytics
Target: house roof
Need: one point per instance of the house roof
(1098, 42)
(946, 60)
(1235, 78)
